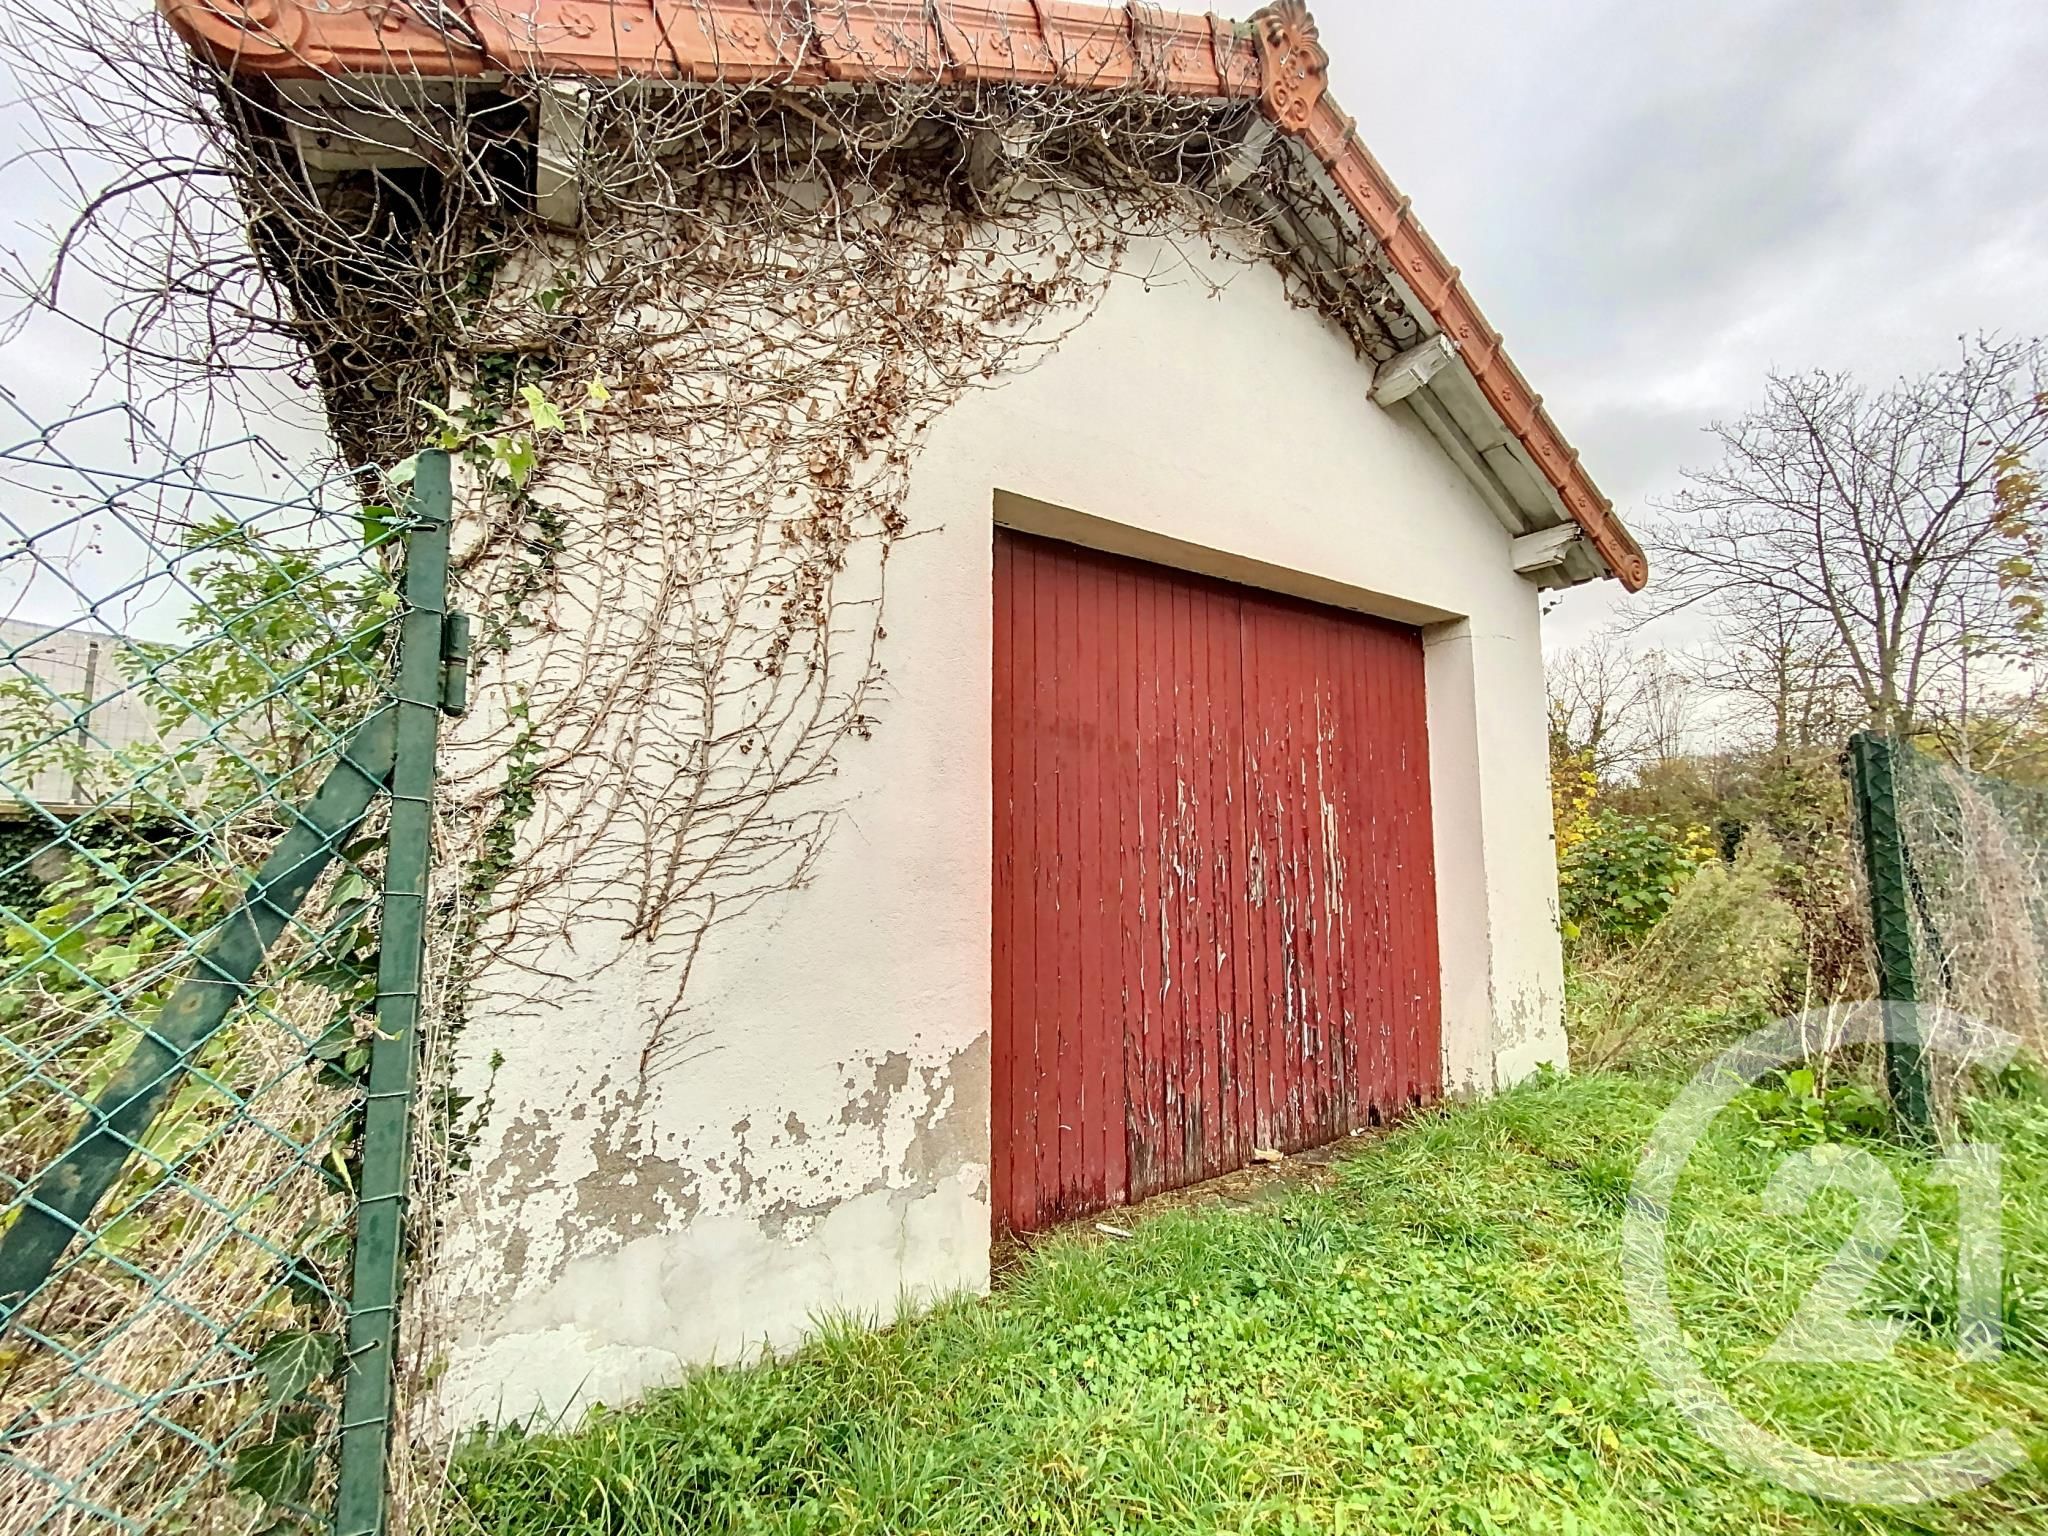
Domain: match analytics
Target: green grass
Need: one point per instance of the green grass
(1436, 1344)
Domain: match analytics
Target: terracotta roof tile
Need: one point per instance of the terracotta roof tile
(1278, 58)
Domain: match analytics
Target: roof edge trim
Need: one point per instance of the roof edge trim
(1278, 58)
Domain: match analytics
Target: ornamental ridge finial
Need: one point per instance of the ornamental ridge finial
(1294, 69)
(252, 33)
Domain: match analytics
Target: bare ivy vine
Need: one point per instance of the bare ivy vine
(687, 424)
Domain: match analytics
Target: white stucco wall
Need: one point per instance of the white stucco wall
(825, 1144)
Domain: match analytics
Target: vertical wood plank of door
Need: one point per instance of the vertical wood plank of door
(1213, 890)
(1045, 998)
(1146, 1129)
(1102, 1064)
(1265, 883)
(1374, 983)
(1225, 767)
(1181, 1152)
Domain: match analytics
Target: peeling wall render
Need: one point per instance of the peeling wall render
(820, 1138)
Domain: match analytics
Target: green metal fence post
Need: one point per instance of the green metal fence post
(1874, 776)
(394, 1064)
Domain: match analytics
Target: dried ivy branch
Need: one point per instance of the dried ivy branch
(688, 426)
(774, 294)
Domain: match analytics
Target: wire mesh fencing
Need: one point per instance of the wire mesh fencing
(218, 689)
(1957, 867)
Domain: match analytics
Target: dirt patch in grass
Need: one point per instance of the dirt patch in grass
(1244, 1189)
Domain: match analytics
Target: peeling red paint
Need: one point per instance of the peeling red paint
(1214, 925)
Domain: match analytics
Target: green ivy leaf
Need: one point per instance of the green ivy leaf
(379, 523)
(280, 1471)
(119, 964)
(516, 455)
(303, 1283)
(546, 418)
(334, 1044)
(291, 1362)
(452, 434)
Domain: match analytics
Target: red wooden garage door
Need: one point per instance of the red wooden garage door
(1215, 909)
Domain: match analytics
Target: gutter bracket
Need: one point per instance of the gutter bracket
(1546, 549)
(1400, 377)
(1242, 155)
(563, 120)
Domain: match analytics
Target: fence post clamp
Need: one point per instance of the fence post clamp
(455, 664)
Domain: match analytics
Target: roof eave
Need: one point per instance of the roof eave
(1277, 58)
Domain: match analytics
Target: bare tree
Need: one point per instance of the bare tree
(1620, 709)
(1897, 534)
(1667, 711)
(1782, 671)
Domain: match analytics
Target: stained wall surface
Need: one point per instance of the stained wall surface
(821, 1141)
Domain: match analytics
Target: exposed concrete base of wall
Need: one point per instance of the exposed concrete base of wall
(615, 1325)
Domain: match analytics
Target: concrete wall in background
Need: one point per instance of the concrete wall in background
(82, 668)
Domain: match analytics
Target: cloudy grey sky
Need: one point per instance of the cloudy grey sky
(1656, 204)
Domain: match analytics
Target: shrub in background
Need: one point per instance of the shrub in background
(1798, 797)
(1574, 787)
(1620, 875)
(1712, 965)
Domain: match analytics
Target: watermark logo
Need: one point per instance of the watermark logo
(1826, 1328)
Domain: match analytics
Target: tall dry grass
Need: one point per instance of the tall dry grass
(1980, 899)
(1711, 968)
(126, 1387)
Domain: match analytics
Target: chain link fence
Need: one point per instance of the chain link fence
(1957, 868)
(218, 693)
